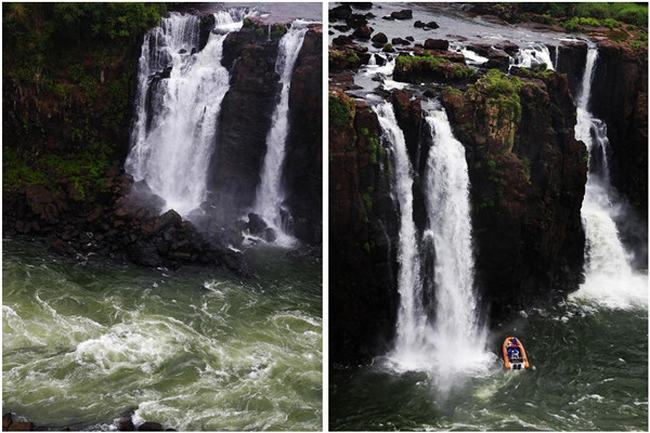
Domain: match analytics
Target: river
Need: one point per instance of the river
(589, 372)
(192, 349)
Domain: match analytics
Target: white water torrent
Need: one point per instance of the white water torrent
(411, 320)
(609, 278)
(459, 338)
(535, 54)
(176, 116)
(270, 195)
(453, 343)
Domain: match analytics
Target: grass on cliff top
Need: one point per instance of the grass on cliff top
(427, 64)
(500, 90)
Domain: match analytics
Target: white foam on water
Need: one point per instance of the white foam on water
(533, 55)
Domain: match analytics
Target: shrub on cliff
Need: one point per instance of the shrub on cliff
(426, 67)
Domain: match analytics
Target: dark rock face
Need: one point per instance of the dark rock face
(244, 121)
(363, 226)
(302, 175)
(527, 183)
(571, 61)
(620, 98)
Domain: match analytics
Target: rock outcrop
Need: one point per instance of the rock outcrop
(363, 228)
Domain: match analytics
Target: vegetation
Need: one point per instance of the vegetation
(428, 67)
(592, 13)
(501, 91)
(341, 110)
(69, 71)
(344, 59)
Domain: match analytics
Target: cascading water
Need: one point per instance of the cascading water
(458, 337)
(535, 54)
(609, 278)
(270, 195)
(411, 320)
(178, 101)
(453, 343)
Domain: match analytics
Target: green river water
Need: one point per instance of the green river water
(190, 349)
(590, 372)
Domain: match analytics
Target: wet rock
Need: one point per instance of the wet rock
(256, 224)
(342, 40)
(400, 41)
(404, 14)
(436, 44)
(380, 38)
(269, 235)
(388, 48)
(388, 18)
(21, 426)
(341, 28)
(432, 25)
(363, 32)
(361, 5)
(380, 60)
(356, 20)
(124, 423)
(342, 12)
(418, 24)
(410, 38)
(150, 426)
(7, 419)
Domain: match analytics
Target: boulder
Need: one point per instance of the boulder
(256, 224)
(436, 44)
(404, 14)
(400, 41)
(418, 24)
(124, 423)
(380, 38)
(269, 235)
(356, 20)
(432, 25)
(363, 32)
(342, 12)
(342, 40)
(150, 426)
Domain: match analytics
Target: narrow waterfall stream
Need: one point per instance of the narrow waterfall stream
(411, 320)
(176, 118)
(459, 339)
(450, 342)
(270, 195)
(609, 278)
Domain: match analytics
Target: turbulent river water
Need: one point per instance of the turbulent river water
(590, 372)
(191, 349)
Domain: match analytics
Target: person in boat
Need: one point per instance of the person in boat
(513, 349)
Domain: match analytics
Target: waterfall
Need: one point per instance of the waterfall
(270, 195)
(411, 320)
(450, 342)
(459, 339)
(609, 278)
(535, 54)
(178, 100)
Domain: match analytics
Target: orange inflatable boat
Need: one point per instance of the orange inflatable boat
(517, 358)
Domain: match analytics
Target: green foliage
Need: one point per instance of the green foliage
(499, 90)
(431, 67)
(367, 201)
(341, 110)
(492, 165)
(375, 149)
(629, 13)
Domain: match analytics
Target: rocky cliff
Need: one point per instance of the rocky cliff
(66, 133)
